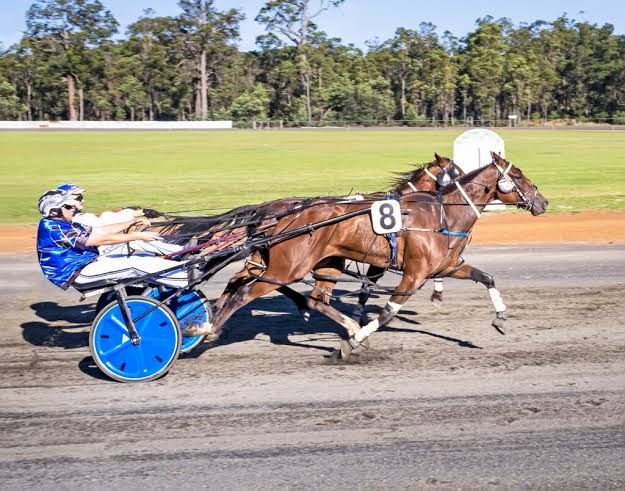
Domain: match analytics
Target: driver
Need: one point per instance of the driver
(68, 250)
(110, 217)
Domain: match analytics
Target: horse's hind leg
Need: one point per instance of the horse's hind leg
(409, 283)
(468, 272)
(234, 299)
(374, 273)
(298, 299)
(319, 299)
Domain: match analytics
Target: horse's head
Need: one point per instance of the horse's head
(514, 187)
(429, 177)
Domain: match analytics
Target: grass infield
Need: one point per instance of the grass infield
(218, 170)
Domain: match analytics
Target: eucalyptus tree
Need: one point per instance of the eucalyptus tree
(152, 44)
(291, 22)
(10, 105)
(207, 37)
(483, 55)
(63, 31)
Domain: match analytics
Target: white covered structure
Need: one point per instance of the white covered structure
(472, 148)
(472, 151)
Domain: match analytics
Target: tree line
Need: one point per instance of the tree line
(69, 65)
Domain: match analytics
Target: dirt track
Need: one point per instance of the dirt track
(441, 401)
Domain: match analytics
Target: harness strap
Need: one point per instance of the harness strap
(393, 243)
(429, 174)
(453, 233)
(456, 269)
(412, 186)
(443, 231)
(468, 200)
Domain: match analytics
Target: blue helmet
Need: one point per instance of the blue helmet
(71, 188)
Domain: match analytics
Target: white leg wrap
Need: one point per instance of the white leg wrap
(495, 297)
(366, 331)
(438, 284)
(395, 307)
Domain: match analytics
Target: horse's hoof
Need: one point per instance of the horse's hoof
(502, 315)
(202, 329)
(366, 343)
(346, 348)
(498, 324)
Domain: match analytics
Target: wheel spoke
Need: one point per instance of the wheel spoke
(144, 322)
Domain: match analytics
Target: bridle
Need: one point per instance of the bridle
(507, 184)
(448, 171)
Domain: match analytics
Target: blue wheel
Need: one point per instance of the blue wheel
(121, 360)
(192, 307)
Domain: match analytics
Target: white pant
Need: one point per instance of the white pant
(116, 264)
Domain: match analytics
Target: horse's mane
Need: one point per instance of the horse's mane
(407, 176)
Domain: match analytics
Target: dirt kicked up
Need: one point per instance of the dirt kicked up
(492, 228)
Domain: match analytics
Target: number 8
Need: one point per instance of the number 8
(387, 219)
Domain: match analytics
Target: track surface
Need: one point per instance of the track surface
(440, 401)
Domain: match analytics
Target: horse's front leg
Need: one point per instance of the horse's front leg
(409, 284)
(437, 294)
(468, 272)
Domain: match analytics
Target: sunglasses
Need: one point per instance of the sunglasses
(69, 207)
(78, 197)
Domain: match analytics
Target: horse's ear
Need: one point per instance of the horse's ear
(439, 159)
(495, 156)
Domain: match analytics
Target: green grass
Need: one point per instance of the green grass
(173, 171)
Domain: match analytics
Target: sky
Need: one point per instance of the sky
(358, 21)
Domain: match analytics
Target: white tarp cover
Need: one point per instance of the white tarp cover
(472, 148)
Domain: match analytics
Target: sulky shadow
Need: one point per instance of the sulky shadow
(88, 366)
(45, 333)
(76, 314)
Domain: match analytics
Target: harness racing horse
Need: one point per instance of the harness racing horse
(434, 232)
(429, 178)
(237, 224)
(426, 178)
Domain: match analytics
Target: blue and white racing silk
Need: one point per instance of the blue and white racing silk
(62, 250)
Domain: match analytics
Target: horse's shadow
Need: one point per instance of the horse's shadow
(277, 318)
(274, 316)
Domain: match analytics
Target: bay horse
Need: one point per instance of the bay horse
(428, 177)
(434, 232)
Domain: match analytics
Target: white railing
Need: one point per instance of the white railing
(116, 125)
